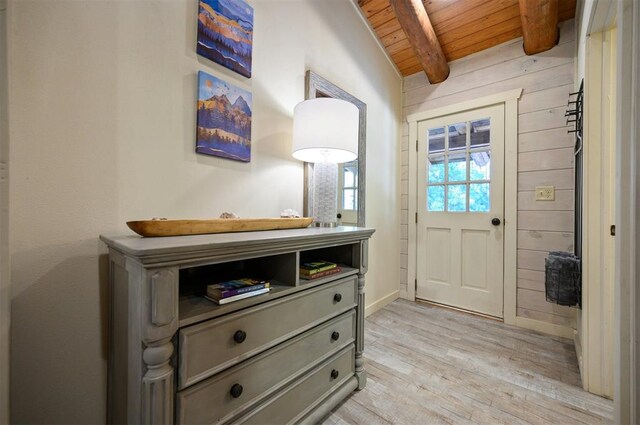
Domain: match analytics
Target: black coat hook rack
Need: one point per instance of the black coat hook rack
(574, 114)
(575, 107)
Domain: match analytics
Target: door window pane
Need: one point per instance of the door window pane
(480, 166)
(349, 178)
(435, 198)
(458, 136)
(479, 199)
(457, 197)
(349, 199)
(480, 133)
(457, 167)
(436, 140)
(436, 169)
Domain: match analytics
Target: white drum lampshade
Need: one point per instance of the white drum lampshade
(325, 132)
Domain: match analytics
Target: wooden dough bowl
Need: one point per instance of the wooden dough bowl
(219, 225)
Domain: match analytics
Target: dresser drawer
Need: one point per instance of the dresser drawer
(295, 401)
(209, 347)
(211, 401)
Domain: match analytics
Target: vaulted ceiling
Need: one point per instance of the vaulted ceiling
(462, 27)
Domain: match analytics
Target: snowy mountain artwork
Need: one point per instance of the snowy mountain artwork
(224, 119)
(225, 33)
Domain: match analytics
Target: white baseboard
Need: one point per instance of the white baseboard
(544, 327)
(372, 308)
(404, 295)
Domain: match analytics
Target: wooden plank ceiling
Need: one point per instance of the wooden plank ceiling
(463, 27)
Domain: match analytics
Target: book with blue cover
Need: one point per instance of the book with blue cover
(238, 297)
(235, 287)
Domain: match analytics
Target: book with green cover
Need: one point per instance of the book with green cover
(313, 267)
(318, 275)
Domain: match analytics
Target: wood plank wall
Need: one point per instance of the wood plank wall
(545, 152)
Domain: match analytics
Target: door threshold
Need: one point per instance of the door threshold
(461, 310)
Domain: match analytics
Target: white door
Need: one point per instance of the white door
(461, 210)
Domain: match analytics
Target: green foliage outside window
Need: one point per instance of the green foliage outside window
(479, 193)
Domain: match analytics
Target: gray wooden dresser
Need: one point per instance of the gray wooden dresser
(288, 356)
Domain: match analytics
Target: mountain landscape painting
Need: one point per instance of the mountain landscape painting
(225, 33)
(224, 119)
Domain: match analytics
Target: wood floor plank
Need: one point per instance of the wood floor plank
(427, 364)
(352, 412)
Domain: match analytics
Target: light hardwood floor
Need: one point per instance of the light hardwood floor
(430, 365)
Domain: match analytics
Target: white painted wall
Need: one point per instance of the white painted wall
(5, 286)
(545, 156)
(102, 131)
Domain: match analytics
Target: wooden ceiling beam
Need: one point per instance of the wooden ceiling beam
(415, 22)
(566, 10)
(539, 25)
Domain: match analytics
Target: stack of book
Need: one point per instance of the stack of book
(238, 289)
(317, 269)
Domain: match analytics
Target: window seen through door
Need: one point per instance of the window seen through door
(350, 186)
(459, 167)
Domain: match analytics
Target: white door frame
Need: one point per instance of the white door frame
(5, 276)
(627, 297)
(594, 335)
(510, 101)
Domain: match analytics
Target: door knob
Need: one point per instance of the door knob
(495, 221)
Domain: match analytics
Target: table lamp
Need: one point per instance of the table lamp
(325, 133)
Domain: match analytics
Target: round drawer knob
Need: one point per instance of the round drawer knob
(337, 298)
(239, 337)
(236, 390)
(335, 335)
(334, 374)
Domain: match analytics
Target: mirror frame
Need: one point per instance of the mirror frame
(316, 86)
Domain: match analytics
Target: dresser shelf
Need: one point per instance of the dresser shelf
(195, 308)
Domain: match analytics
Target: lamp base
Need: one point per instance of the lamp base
(330, 224)
(325, 194)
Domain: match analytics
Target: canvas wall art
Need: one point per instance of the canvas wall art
(225, 33)
(224, 119)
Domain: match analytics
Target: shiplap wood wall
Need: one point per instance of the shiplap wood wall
(545, 152)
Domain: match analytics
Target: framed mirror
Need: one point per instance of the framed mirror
(351, 175)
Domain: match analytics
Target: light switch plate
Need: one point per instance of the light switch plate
(545, 193)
